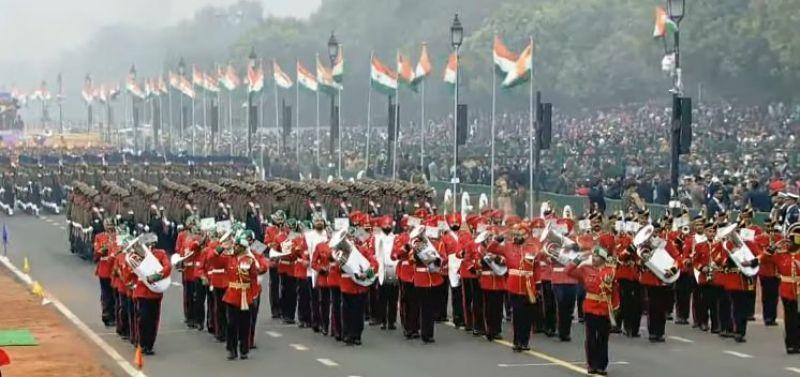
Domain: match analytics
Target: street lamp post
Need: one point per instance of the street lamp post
(181, 73)
(250, 120)
(675, 9)
(134, 116)
(333, 50)
(456, 38)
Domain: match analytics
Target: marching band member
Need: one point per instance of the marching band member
(327, 277)
(105, 249)
(602, 298)
(288, 281)
(658, 292)
(242, 272)
(148, 303)
(769, 240)
(389, 290)
(787, 259)
(492, 285)
(740, 288)
(403, 254)
(184, 245)
(471, 290)
(565, 289)
(522, 259)
(263, 268)
(308, 301)
(274, 236)
(426, 281)
(722, 278)
(122, 296)
(706, 266)
(354, 300)
(455, 241)
(545, 318)
(217, 255)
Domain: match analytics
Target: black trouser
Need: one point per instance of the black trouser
(122, 321)
(493, 311)
(315, 306)
(769, 297)
(791, 324)
(239, 322)
(409, 308)
(107, 310)
(199, 303)
(210, 309)
(547, 308)
(148, 312)
(428, 299)
(630, 292)
(336, 312)
(580, 295)
(353, 307)
(133, 319)
(742, 303)
(565, 305)
(219, 315)
(274, 293)
(188, 296)
(372, 304)
(253, 319)
(387, 305)
(707, 307)
(288, 297)
(471, 292)
(697, 299)
(304, 301)
(457, 303)
(683, 295)
(522, 319)
(442, 293)
(657, 306)
(596, 345)
(724, 311)
(324, 307)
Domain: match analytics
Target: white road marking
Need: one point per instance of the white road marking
(299, 347)
(121, 361)
(738, 354)
(551, 364)
(328, 362)
(177, 284)
(273, 334)
(684, 340)
(793, 369)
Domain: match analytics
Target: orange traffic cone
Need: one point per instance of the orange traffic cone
(138, 359)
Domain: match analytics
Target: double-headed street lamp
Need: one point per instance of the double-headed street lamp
(333, 51)
(681, 107)
(456, 38)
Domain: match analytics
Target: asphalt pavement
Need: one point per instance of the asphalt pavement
(289, 351)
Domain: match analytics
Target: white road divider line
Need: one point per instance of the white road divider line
(273, 334)
(328, 362)
(552, 364)
(793, 369)
(684, 340)
(738, 354)
(299, 347)
(110, 351)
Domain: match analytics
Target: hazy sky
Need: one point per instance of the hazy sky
(34, 30)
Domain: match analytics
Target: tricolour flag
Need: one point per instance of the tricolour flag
(197, 77)
(383, 79)
(162, 85)
(523, 68)
(211, 83)
(229, 79)
(504, 59)
(101, 94)
(133, 87)
(113, 92)
(337, 71)
(325, 80)
(255, 79)
(663, 23)
(423, 65)
(451, 69)
(281, 78)
(404, 71)
(305, 79)
(88, 93)
(185, 86)
(148, 88)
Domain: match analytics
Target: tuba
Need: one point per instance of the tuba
(558, 246)
(350, 260)
(144, 263)
(740, 252)
(651, 250)
(424, 250)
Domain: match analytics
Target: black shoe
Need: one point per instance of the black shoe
(349, 342)
(726, 334)
(714, 331)
(220, 340)
(601, 373)
(526, 348)
(325, 332)
(467, 329)
(681, 321)
(302, 325)
(339, 338)
(549, 333)
(288, 321)
(564, 338)
(792, 351)
(392, 327)
(148, 351)
(231, 355)
(253, 346)
(615, 330)
(243, 357)
(703, 328)
(276, 316)
(477, 333)
(383, 327)
(751, 318)
(740, 339)
(374, 323)
(770, 323)
(315, 329)
(517, 348)
(200, 327)
(428, 340)
(357, 341)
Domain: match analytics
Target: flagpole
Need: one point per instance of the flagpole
(369, 113)
(318, 142)
(230, 119)
(277, 119)
(161, 126)
(396, 121)
(491, 158)
(422, 131)
(455, 135)
(297, 121)
(193, 128)
(339, 131)
(125, 122)
(171, 121)
(205, 118)
(533, 164)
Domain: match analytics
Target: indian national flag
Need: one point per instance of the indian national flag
(451, 69)
(281, 78)
(148, 88)
(228, 78)
(305, 79)
(325, 79)
(338, 66)
(255, 79)
(113, 92)
(522, 69)
(101, 94)
(663, 23)
(88, 93)
(423, 65)
(504, 60)
(133, 87)
(162, 85)
(173, 80)
(185, 86)
(197, 77)
(382, 77)
(211, 83)
(404, 70)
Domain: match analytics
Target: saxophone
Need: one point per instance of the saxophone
(530, 259)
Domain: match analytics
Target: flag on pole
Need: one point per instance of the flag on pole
(383, 78)
(101, 93)
(210, 83)
(229, 79)
(305, 79)
(161, 85)
(325, 79)
(423, 65)
(337, 70)
(663, 24)
(197, 77)
(148, 88)
(504, 59)
(404, 71)
(255, 79)
(522, 69)
(450, 70)
(113, 92)
(133, 87)
(88, 92)
(281, 78)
